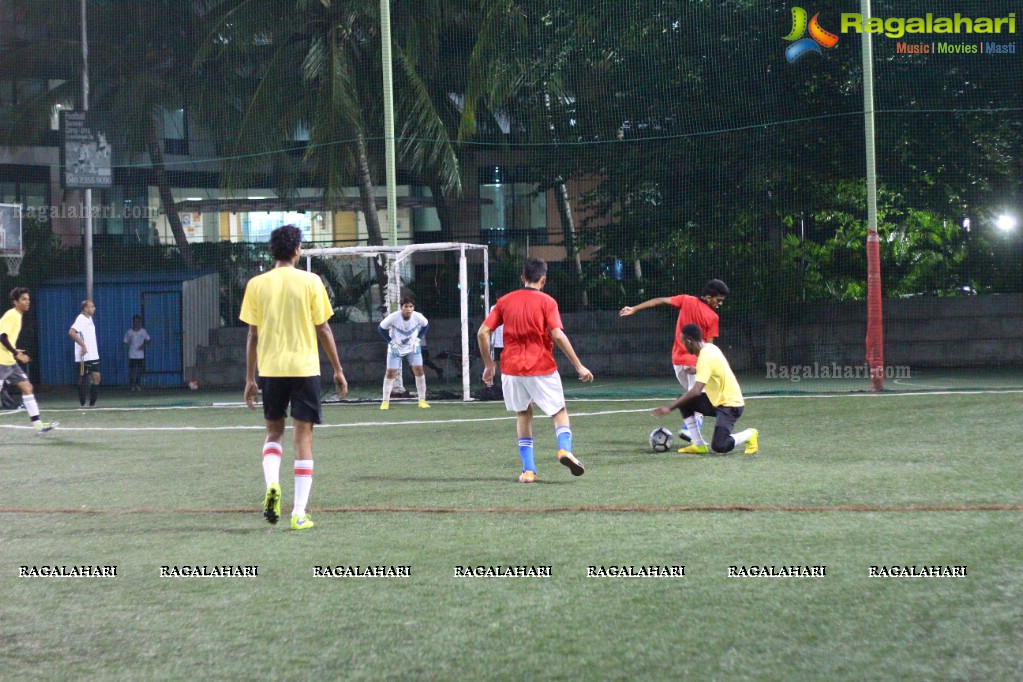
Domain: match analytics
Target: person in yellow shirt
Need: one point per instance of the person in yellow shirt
(11, 355)
(287, 310)
(715, 393)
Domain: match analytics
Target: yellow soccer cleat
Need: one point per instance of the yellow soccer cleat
(272, 503)
(693, 450)
(569, 460)
(424, 405)
(527, 476)
(753, 444)
(301, 522)
(385, 405)
(43, 427)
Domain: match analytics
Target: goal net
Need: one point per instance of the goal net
(351, 272)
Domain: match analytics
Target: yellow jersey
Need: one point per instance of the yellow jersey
(286, 305)
(713, 372)
(10, 324)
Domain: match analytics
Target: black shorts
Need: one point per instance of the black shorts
(302, 393)
(724, 420)
(88, 367)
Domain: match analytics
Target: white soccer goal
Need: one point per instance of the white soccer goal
(396, 257)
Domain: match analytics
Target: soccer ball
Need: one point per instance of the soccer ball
(661, 439)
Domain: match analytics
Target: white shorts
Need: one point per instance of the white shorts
(685, 378)
(544, 390)
(12, 373)
(414, 359)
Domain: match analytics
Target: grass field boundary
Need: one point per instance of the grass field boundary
(581, 509)
(257, 426)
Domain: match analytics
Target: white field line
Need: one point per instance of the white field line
(426, 422)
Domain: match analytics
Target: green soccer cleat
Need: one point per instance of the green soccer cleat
(301, 522)
(569, 460)
(693, 450)
(753, 444)
(272, 503)
(43, 427)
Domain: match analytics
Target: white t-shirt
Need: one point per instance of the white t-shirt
(497, 341)
(86, 329)
(136, 341)
(404, 333)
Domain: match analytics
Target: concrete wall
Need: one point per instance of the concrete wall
(978, 331)
(974, 331)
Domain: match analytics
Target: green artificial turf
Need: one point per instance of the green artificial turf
(845, 482)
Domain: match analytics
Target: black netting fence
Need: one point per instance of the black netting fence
(642, 148)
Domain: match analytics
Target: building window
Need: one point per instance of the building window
(512, 210)
(175, 132)
(33, 197)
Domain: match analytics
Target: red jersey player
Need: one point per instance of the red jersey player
(529, 374)
(700, 311)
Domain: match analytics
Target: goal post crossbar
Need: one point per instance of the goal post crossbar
(396, 255)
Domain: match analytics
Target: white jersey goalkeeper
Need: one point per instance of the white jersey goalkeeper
(405, 332)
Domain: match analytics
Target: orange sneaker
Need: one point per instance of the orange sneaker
(569, 460)
(527, 476)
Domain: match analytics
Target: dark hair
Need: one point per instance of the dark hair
(407, 299)
(533, 269)
(284, 242)
(136, 317)
(692, 331)
(715, 287)
(18, 292)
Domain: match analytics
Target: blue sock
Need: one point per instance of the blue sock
(526, 453)
(564, 435)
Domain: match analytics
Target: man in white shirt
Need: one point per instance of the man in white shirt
(83, 333)
(405, 331)
(136, 339)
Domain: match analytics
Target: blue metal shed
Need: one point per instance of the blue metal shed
(177, 310)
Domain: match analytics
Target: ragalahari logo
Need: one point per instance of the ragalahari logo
(802, 46)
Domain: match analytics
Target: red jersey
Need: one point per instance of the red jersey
(528, 316)
(692, 310)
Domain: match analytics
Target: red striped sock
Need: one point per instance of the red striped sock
(303, 484)
(272, 463)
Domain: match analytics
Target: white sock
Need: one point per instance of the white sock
(694, 431)
(742, 436)
(388, 385)
(303, 484)
(421, 387)
(272, 463)
(31, 406)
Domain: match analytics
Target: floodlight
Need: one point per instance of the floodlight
(1006, 222)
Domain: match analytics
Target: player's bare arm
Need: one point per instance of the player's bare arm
(562, 342)
(483, 340)
(630, 309)
(326, 337)
(696, 390)
(251, 391)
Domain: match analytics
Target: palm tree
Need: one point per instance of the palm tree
(523, 65)
(274, 69)
(140, 54)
